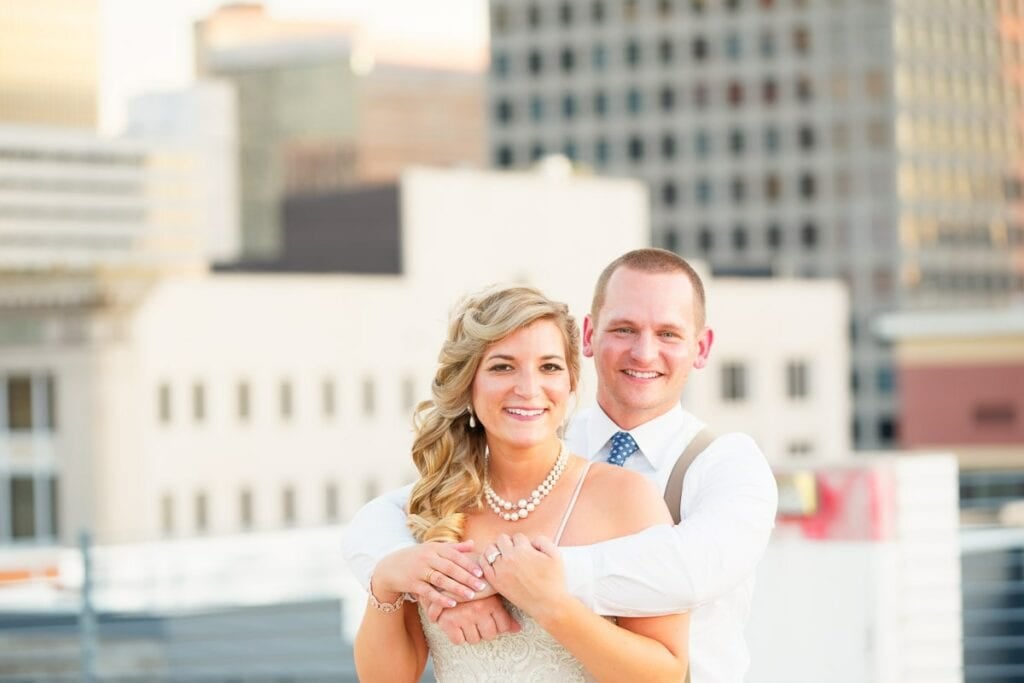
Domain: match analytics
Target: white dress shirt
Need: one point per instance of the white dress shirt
(705, 564)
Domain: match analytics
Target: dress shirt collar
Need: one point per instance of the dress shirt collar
(652, 437)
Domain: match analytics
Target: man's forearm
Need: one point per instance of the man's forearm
(377, 530)
(667, 569)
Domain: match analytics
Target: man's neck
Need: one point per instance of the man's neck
(628, 420)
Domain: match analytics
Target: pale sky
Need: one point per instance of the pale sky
(147, 46)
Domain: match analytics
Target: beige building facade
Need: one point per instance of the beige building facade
(49, 62)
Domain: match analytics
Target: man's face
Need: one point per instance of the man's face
(644, 343)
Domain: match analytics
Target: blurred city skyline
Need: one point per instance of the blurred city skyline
(229, 233)
(147, 47)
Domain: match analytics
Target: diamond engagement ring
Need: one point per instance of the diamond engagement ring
(493, 556)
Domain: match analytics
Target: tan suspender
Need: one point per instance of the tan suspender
(674, 488)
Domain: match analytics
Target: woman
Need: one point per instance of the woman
(494, 472)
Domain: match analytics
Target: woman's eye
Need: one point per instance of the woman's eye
(500, 367)
(552, 367)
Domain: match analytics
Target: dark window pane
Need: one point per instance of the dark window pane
(705, 239)
(668, 147)
(806, 137)
(666, 51)
(533, 17)
(54, 508)
(567, 60)
(23, 507)
(667, 98)
(739, 238)
(668, 194)
(565, 14)
(19, 403)
(535, 62)
(809, 235)
(633, 53)
(699, 48)
(636, 148)
(735, 93)
(51, 403)
(503, 156)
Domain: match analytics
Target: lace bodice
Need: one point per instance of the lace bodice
(530, 655)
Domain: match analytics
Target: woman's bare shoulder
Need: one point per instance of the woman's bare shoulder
(637, 503)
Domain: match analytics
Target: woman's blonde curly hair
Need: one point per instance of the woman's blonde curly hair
(447, 452)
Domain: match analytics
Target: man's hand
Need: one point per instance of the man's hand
(471, 622)
(528, 573)
(433, 572)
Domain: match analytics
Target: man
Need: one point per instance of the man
(646, 331)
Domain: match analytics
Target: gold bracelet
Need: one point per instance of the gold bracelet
(385, 607)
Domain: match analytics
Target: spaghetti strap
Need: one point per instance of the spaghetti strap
(572, 503)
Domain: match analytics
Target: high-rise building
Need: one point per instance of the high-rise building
(49, 62)
(318, 112)
(875, 141)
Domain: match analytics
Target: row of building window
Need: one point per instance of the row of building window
(885, 429)
(281, 398)
(505, 17)
(740, 238)
(636, 101)
(737, 190)
(634, 53)
(884, 381)
(735, 381)
(287, 504)
(637, 148)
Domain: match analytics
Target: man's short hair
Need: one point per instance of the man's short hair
(651, 260)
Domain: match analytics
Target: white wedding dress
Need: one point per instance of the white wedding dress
(530, 655)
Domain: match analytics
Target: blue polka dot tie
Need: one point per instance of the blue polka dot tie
(623, 446)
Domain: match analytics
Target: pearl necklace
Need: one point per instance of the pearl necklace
(513, 512)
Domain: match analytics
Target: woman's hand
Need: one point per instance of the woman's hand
(528, 573)
(433, 572)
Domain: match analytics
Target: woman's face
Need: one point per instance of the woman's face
(522, 386)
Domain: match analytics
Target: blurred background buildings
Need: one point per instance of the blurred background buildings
(214, 323)
(874, 142)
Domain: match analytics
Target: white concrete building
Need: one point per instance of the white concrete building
(774, 373)
(218, 403)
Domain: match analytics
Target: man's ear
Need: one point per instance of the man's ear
(588, 336)
(707, 335)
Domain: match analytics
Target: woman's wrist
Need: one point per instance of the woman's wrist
(384, 600)
(382, 591)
